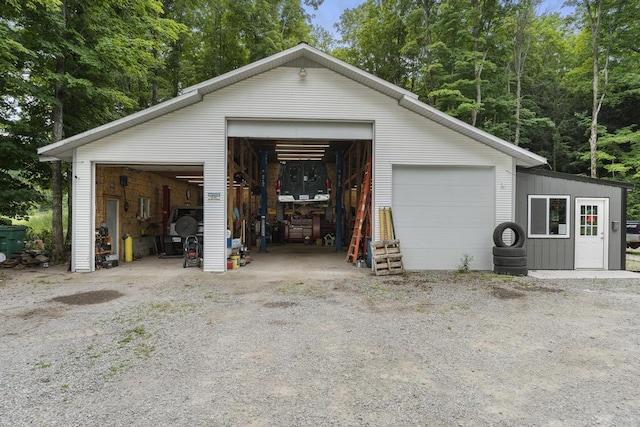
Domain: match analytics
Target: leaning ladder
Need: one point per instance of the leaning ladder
(356, 236)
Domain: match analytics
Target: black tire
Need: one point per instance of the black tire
(509, 251)
(517, 231)
(186, 226)
(504, 261)
(510, 271)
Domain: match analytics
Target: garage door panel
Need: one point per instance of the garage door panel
(445, 239)
(444, 196)
(439, 216)
(443, 259)
(442, 214)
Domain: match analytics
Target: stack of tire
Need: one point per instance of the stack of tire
(509, 259)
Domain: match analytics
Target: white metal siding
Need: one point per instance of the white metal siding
(187, 136)
(196, 135)
(442, 213)
(83, 236)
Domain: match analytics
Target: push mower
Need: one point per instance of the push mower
(191, 252)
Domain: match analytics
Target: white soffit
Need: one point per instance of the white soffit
(295, 129)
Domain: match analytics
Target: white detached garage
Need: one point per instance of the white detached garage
(448, 183)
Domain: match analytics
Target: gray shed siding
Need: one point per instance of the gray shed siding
(558, 253)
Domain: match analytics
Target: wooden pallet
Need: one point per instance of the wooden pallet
(386, 257)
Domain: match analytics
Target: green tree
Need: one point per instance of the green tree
(87, 64)
(18, 193)
(604, 24)
(374, 35)
(522, 15)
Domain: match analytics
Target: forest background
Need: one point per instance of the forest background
(565, 87)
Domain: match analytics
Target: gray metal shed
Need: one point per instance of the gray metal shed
(571, 222)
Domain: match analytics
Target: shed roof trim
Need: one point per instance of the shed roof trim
(578, 178)
(63, 149)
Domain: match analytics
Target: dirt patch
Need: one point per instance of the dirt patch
(503, 293)
(537, 288)
(281, 304)
(38, 312)
(87, 298)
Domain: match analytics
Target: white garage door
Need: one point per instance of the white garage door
(442, 213)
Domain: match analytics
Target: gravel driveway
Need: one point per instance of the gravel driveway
(188, 348)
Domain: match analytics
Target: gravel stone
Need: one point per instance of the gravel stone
(185, 348)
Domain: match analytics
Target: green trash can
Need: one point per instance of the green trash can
(12, 239)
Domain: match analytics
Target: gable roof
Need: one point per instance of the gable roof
(302, 52)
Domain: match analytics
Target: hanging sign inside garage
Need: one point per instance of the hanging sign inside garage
(214, 196)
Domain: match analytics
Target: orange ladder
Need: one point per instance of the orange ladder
(363, 207)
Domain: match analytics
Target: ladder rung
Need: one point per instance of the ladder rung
(356, 236)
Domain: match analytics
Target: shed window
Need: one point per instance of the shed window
(549, 216)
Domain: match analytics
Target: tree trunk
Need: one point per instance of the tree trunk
(516, 136)
(57, 237)
(593, 136)
(594, 20)
(523, 16)
(68, 240)
(478, 76)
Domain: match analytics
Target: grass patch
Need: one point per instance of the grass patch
(633, 265)
(295, 288)
(41, 365)
(167, 307)
(43, 282)
(120, 368)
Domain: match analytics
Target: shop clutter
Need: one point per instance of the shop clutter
(238, 255)
(104, 248)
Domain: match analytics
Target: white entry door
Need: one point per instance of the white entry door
(592, 233)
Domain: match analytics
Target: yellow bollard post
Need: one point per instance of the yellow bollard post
(128, 248)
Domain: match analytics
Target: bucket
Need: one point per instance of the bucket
(236, 261)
